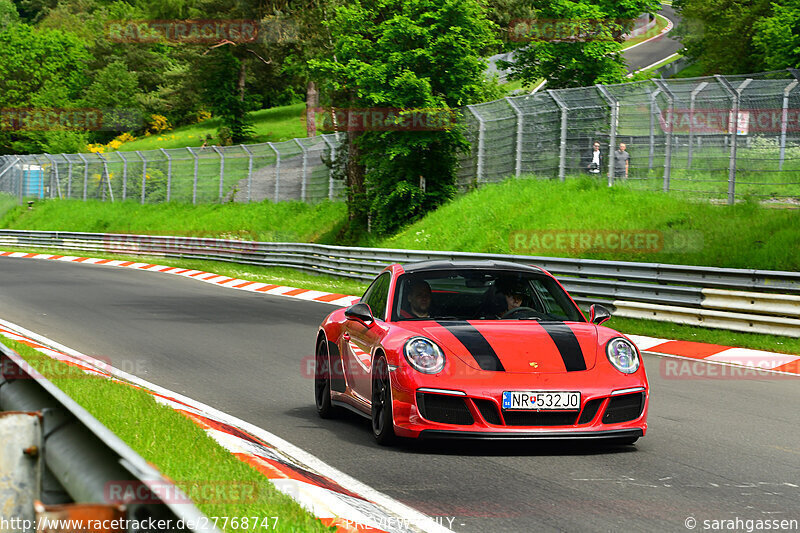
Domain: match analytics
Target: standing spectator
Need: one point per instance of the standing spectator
(595, 160)
(621, 162)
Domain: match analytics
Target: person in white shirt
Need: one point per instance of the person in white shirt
(595, 160)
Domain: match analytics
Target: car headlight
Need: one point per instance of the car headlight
(623, 355)
(424, 355)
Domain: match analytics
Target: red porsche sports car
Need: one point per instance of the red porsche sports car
(485, 349)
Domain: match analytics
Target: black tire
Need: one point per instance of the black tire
(382, 421)
(322, 382)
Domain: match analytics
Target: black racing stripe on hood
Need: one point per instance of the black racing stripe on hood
(475, 343)
(567, 344)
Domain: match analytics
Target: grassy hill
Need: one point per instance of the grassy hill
(269, 125)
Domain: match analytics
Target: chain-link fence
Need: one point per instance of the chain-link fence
(719, 137)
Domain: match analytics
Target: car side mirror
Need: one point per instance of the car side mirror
(360, 312)
(598, 314)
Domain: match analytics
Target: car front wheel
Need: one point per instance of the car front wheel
(322, 382)
(382, 422)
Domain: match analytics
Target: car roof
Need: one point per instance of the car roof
(422, 266)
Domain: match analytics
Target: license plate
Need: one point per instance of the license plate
(542, 400)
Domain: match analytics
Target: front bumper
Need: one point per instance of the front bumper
(613, 405)
(496, 435)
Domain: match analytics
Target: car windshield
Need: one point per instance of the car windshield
(482, 295)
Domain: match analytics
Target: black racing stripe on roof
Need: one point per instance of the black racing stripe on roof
(567, 344)
(475, 343)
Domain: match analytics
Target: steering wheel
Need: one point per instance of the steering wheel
(521, 310)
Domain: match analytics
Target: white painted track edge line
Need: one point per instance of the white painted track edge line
(420, 520)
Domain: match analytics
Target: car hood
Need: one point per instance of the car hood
(514, 345)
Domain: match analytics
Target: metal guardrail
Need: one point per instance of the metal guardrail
(614, 283)
(77, 456)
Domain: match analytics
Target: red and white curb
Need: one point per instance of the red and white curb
(763, 361)
(208, 277)
(335, 498)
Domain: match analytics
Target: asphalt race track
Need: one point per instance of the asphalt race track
(716, 449)
(654, 51)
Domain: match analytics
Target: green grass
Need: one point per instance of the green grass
(694, 70)
(145, 426)
(269, 125)
(7, 203)
(739, 236)
(264, 221)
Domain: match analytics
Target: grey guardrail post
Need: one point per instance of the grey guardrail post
(785, 120)
(69, 176)
(692, 98)
(83, 455)
(670, 121)
(249, 171)
(612, 137)
(194, 180)
(562, 154)
(169, 172)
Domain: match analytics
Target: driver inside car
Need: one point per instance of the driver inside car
(514, 294)
(419, 299)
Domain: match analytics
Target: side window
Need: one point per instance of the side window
(377, 295)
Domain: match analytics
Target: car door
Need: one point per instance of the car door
(359, 340)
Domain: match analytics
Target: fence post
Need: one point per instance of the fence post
(277, 171)
(169, 173)
(785, 120)
(85, 175)
(124, 175)
(69, 176)
(107, 179)
(249, 172)
(333, 160)
(304, 180)
(653, 96)
(733, 126)
(55, 172)
(692, 98)
(612, 140)
(221, 170)
(479, 178)
(144, 173)
(562, 154)
(668, 133)
(518, 112)
(194, 180)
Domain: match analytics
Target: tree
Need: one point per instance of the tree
(719, 33)
(38, 68)
(408, 55)
(575, 43)
(778, 37)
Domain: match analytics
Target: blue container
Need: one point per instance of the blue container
(32, 181)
